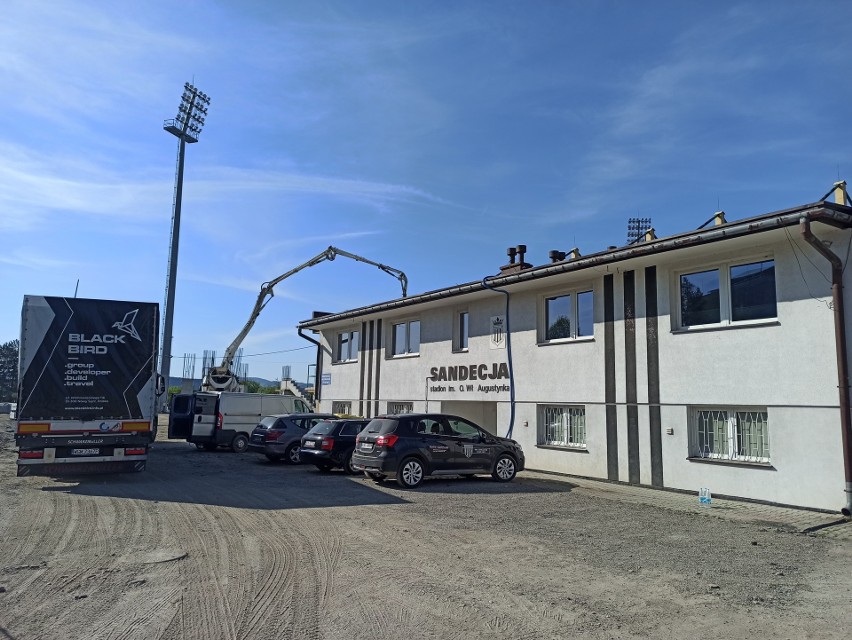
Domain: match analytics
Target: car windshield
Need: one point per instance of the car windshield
(321, 428)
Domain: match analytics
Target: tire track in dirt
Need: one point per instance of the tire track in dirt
(276, 566)
(206, 609)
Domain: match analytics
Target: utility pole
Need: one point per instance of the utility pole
(186, 127)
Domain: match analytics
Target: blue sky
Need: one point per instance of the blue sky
(429, 136)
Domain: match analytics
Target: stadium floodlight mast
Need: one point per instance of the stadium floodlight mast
(187, 127)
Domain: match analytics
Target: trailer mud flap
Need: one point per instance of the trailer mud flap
(81, 469)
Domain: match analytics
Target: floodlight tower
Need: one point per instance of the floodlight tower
(187, 128)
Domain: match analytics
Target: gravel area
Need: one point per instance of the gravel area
(207, 545)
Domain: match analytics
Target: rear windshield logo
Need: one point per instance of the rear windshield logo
(126, 325)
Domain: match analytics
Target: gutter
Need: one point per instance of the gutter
(317, 384)
(840, 348)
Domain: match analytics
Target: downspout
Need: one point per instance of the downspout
(317, 377)
(840, 347)
(508, 357)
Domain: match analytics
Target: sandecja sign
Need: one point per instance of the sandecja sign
(472, 375)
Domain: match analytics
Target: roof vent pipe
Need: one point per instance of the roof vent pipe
(522, 249)
(719, 218)
(511, 251)
(649, 235)
(556, 256)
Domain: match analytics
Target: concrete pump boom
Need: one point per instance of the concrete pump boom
(221, 378)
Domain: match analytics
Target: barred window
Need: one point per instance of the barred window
(341, 408)
(562, 425)
(731, 434)
(396, 408)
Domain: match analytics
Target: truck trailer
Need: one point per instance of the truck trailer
(87, 385)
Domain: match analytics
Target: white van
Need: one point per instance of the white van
(210, 420)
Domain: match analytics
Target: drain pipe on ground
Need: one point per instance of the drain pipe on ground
(840, 346)
(508, 357)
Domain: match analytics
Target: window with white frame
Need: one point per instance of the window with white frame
(728, 294)
(729, 433)
(569, 316)
(405, 338)
(562, 426)
(341, 408)
(462, 331)
(396, 408)
(347, 346)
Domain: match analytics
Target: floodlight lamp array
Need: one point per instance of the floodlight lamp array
(192, 109)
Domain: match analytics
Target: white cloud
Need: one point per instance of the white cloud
(32, 260)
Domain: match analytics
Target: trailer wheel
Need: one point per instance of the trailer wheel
(239, 444)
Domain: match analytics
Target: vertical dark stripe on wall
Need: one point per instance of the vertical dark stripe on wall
(370, 325)
(378, 364)
(630, 377)
(362, 356)
(656, 423)
(609, 380)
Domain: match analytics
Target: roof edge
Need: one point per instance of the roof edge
(831, 213)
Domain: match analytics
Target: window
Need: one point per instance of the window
(347, 346)
(740, 435)
(352, 428)
(463, 428)
(562, 426)
(406, 338)
(395, 408)
(568, 316)
(462, 331)
(728, 294)
(341, 408)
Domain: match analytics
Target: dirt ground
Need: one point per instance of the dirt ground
(204, 546)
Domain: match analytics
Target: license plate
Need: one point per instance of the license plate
(85, 452)
(310, 444)
(366, 446)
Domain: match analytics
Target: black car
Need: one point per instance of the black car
(280, 436)
(330, 444)
(412, 446)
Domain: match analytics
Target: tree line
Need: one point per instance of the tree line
(9, 371)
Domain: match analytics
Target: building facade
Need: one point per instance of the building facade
(708, 359)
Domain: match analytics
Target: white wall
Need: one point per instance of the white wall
(786, 366)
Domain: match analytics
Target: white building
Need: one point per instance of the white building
(706, 359)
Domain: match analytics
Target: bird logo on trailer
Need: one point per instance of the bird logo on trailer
(126, 325)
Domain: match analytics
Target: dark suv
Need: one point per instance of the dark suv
(412, 446)
(330, 444)
(280, 436)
